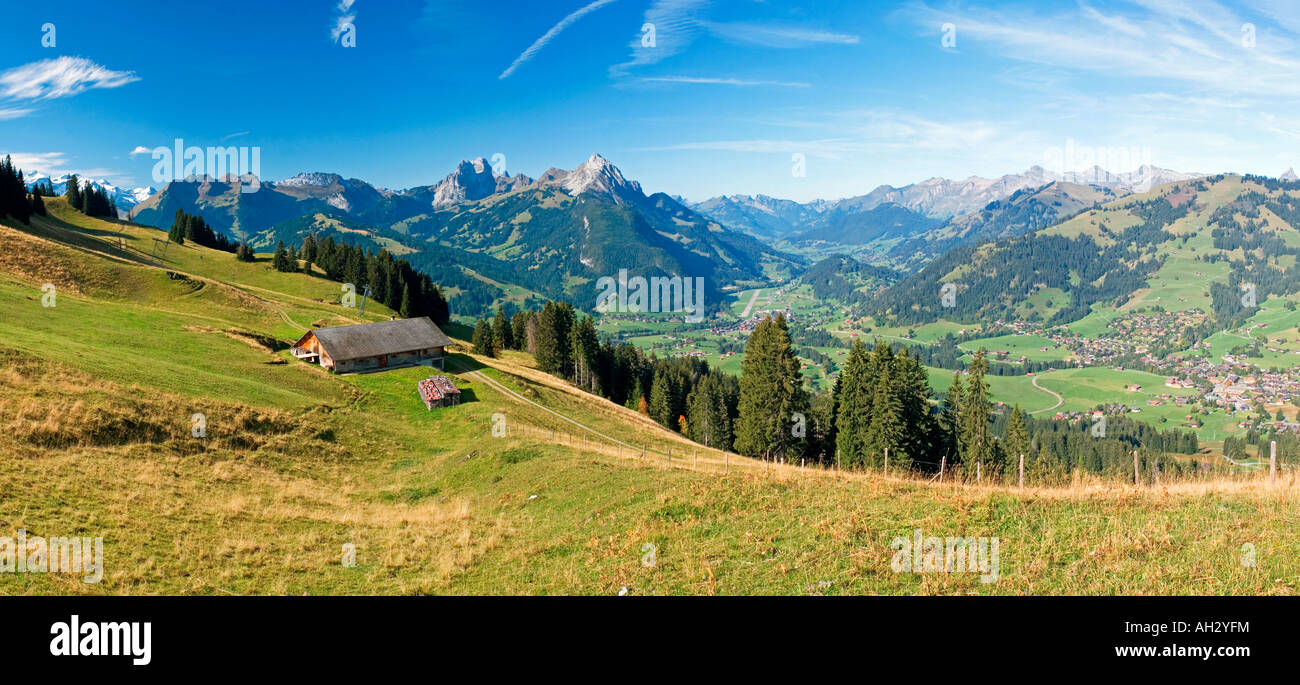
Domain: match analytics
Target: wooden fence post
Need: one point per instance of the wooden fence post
(979, 471)
(886, 462)
(726, 457)
(942, 463)
(1022, 472)
(1272, 461)
(695, 458)
(837, 460)
(1136, 482)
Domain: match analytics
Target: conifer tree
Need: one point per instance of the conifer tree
(586, 354)
(280, 260)
(502, 330)
(1015, 441)
(661, 400)
(976, 443)
(885, 431)
(73, 192)
(407, 308)
(853, 413)
(771, 394)
(482, 339)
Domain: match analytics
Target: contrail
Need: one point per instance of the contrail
(540, 43)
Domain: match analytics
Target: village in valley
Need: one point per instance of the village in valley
(1141, 362)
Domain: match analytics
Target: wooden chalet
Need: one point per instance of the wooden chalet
(374, 346)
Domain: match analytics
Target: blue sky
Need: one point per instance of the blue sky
(727, 94)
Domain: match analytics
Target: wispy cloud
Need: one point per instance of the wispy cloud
(862, 132)
(547, 37)
(676, 24)
(722, 81)
(58, 78)
(679, 23)
(54, 164)
(13, 113)
(777, 36)
(1195, 43)
(140, 150)
(343, 17)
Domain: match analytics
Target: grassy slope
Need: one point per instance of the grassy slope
(96, 396)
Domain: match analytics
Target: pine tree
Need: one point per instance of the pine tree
(886, 429)
(771, 394)
(554, 349)
(950, 420)
(38, 204)
(482, 339)
(660, 400)
(976, 443)
(73, 193)
(280, 261)
(502, 330)
(853, 413)
(1015, 440)
(406, 308)
(586, 354)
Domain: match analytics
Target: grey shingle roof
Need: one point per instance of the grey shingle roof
(374, 339)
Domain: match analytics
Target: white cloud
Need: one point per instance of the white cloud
(540, 43)
(343, 18)
(13, 113)
(776, 36)
(140, 150)
(867, 131)
(679, 23)
(1195, 43)
(59, 77)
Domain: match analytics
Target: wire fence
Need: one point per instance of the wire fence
(665, 454)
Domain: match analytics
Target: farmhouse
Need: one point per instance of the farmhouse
(372, 346)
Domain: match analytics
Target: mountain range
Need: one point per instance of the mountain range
(123, 198)
(935, 198)
(552, 236)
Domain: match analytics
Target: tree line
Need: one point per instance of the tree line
(682, 394)
(393, 282)
(881, 404)
(193, 228)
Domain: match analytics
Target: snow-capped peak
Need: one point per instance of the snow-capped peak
(598, 175)
(123, 198)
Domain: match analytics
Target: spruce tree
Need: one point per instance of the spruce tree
(949, 422)
(660, 400)
(586, 354)
(407, 307)
(1015, 440)
(502, 330)
(976, 444)
(280, 261)
(853, 413)
(482, 339)
(771, 394)
(73, 192)
(886, 430)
